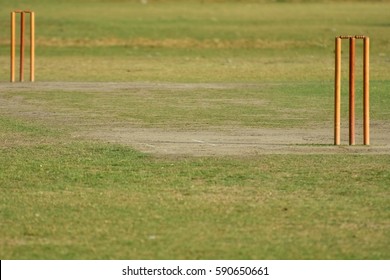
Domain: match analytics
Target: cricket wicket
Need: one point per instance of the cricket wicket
(366, 94)
(22, 44)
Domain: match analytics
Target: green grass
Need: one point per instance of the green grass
(171, 41)
(68, 197)
(98, 201)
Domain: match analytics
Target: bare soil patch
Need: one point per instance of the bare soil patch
(232, 141)
(209, 141)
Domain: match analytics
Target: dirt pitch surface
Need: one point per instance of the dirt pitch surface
(208, 141)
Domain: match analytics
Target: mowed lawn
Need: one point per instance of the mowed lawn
(67, 196)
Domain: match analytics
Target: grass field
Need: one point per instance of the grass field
(192, 130)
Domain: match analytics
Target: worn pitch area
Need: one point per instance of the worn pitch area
(189, 141)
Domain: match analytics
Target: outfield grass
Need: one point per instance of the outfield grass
(64, 196)
(172, 41)
(103, 202)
